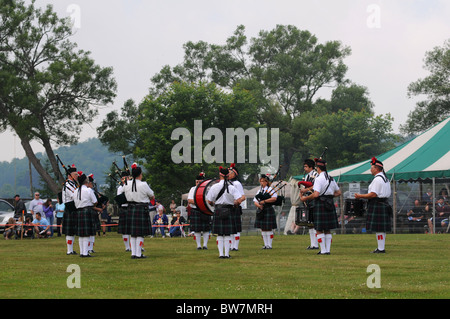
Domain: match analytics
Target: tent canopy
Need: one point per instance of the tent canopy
(424, 157)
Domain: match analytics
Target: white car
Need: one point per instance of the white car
(6, 212)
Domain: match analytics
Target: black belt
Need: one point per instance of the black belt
(378, 200)
(327, 196)
(137, 204)
(80, 209)
(223, 206)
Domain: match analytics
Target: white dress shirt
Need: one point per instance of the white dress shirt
(227, 198)
(87, 197)
(142, 194)
(380, 187)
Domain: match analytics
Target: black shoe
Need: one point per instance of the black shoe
(320, 253)
(377, 251)
(199, 248)
(72, 253)
(133, 257)
(227, 257)
(127, 250)
(312, 248)
(141, 256)
(204, 247)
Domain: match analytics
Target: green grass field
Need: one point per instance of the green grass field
(416, 266)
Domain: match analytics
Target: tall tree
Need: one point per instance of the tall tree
(48, 89)
(436, 87)
(283, 68)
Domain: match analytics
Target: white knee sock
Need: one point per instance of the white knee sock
(237, 238)
(205, 239)
(227, 245)
(139, 246)
(264, 237)
(69, 241)
(328, 240)
(322, 244)
(381, 239)
(92, 241)
(220, 244)
(270, 238)
(198, 238)
(313, 238)
(126, 241)
(133, 245)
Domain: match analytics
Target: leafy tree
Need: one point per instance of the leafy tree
(436, 87)
(283, 69)
(179, 107)
(48, 89)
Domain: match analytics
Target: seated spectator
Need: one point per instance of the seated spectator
(442, 214)
(160, 221)
(26, 228)
(10, 229)
(41, 226)
(177, 220)
(48, 213)
(416, 217)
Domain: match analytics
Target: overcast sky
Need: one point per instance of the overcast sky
(388, 40)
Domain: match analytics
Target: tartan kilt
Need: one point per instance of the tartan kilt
(378, 217)
(138, 221)
(85, 224)
(122, 220)
(96, 220)
(223, 226)
(199, 221)
(237, 212)
(69, 222)
(324, 219)
(269, 221)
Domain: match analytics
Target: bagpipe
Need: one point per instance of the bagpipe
(270, 191)
(304, 212)
(121, 198)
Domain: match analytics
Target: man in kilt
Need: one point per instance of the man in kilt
(325, 189)
(199, 222)
(378, 209)
(69, 221)
(85, 201)
(237, 212)
(310, 176)
(265, 214)
(224, 196)
(96, 211)
(123, 207)
(138, 225)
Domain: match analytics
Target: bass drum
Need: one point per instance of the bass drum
(200, 193)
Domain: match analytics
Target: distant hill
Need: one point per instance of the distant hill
(90, 157)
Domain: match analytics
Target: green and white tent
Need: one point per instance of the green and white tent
(426, 156)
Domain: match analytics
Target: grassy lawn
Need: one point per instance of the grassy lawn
(416, 266)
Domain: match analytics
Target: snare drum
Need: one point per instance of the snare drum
(200, 193)
(356, 207)
(302, 216)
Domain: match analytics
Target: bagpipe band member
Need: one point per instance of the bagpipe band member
(224, 196)
(85, 200)
(310, 176)
(96, 211)
(121, 229)
(138, 224)
(325, 189)
(267, 221)
(69, 221)
(237, 212)
(199, 222)
(378, 209)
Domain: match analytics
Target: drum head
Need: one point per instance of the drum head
(200, 193)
